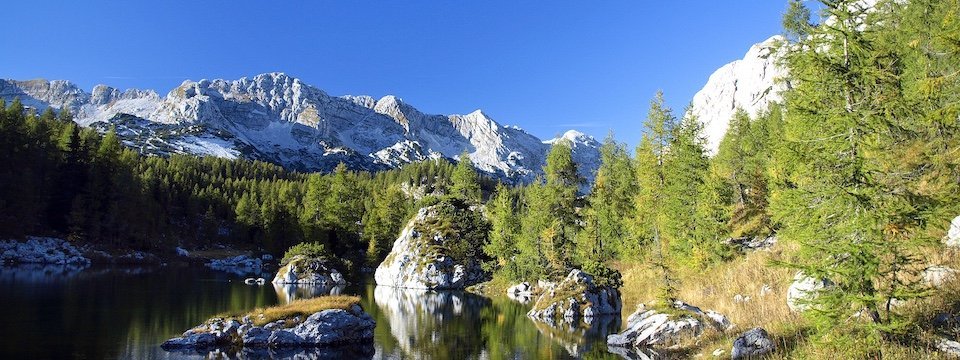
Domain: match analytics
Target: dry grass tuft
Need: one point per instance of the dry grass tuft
(716, 287)
(302, 308)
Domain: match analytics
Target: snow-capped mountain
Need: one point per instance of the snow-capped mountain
(278, 118)
(750, 83)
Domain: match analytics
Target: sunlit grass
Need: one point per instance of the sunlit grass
(716, 287)
(302, 308)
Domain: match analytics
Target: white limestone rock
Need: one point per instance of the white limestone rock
(937, 276)
(650, 328)
(749, 83)
(953, 234)
(803, 289)
(419, 261)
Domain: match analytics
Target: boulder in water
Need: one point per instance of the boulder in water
(420, 258)
(575, 299)
(303, 270)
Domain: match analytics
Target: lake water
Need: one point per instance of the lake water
(127, 312)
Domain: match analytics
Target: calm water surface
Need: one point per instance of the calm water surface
(127, 312)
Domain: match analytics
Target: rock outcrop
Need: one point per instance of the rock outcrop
(420, 261)
(324, 328)
(752, 344)
(302, 270)
(240, 265)
(803, 289)
(953, 233)
(575, 299)
(649, 328)
(750, 84)
(39, 250)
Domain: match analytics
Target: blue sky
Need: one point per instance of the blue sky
(545, 66)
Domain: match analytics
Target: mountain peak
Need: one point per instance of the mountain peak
(749, 84)
(277, 118)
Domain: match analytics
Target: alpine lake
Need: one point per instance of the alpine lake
(122, 312)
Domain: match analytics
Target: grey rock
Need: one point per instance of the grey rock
(335, 327)
(302, 270)
(753, 343)
(284, 338)
(256, 337)
(198, 341)
(650, 328)
(949, 347)
(953, 233)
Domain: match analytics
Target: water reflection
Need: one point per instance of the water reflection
(39, 273)
(288, 293)
(420, 320)
(127, 312)
(579, 339)
(353, 351)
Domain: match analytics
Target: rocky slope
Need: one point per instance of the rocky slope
(750, 83)
(280, 119)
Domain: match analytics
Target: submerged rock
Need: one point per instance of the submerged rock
(575, 299)
(324, 328)
(421, 261)
(753, 343)
(303, 270)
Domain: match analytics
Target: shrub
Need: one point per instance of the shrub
(308, 249)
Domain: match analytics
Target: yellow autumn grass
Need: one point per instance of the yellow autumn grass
(302, 308)
(717, 287)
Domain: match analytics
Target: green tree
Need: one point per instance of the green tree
(466, 184)
(504, 227)
(854, 200)
(650, 220)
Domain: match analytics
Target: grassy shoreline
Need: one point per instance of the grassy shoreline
(305, 307)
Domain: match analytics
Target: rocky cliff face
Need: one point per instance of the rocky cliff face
(277, 118)
(750, 84)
